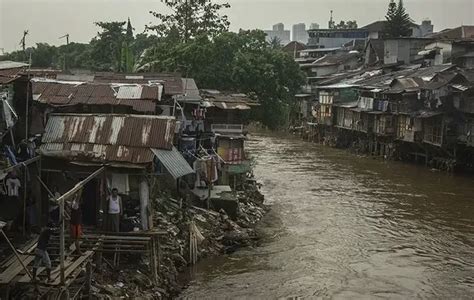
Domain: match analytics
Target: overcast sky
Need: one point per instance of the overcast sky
(47, 20)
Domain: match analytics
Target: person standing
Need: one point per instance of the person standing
(114, 211)
(76, 222)
(41, 252)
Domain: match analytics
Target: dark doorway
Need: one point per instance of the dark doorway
(89, 203)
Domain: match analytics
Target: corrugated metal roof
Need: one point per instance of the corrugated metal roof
(7, 64)
(129, 92)
(191, 91)
(171, 82)
(107, 138)
(174, 162)
(141, 97)
(6, 80)
(230, 105)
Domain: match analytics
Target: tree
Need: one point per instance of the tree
(346, 25)
(129, 34)
(239, 62)
(106, 51)
(399, 22)
(275, 43)
(190, 19)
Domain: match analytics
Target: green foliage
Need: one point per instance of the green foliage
(346, 25)
(190, 19)
(275, 43)
(399, 22)
(127, 61)
(239, 62)
(106, 51)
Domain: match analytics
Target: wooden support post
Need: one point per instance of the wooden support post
(89, 280)
(61, 240)
(25, 178)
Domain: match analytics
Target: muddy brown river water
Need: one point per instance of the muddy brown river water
(345, 227)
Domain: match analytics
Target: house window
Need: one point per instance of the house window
(434, 131)
(404, 125)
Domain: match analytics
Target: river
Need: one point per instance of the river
(343, 226)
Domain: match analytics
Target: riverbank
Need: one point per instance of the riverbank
(191, 233)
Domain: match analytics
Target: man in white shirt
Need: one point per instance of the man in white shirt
(114, 211)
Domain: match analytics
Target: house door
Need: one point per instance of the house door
(90, 202)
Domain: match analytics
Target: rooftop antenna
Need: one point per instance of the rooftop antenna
(65, 54)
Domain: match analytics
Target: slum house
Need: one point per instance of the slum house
(294, 49)
(21, 204)
(377, 29)
(129, 146)
(301, 111)
(314, 127)
(440, 52)
(225, 119)
(463, 101)
(403, 50)
(397, 99)
(439, 118)
(461, 32)
(330, 97)
(14, 94)
(374, 52)
(172, 85)
(52, 96)
(331, 64)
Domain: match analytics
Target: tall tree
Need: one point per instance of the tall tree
(107, 46)
(240, 62)
(399, 22)
(191, 18)
(129, 33)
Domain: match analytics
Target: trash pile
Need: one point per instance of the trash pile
(192, 233)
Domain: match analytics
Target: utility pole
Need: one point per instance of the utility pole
(331, 22)
(23, 42)
(67, 48)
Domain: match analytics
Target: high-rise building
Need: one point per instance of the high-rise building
(299, 33)
(314, 26)
(279, 27)
(278, 32)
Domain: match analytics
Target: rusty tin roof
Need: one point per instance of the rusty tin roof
(107, 138)
(141, 97)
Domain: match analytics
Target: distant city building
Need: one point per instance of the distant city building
(314, 26)
(299, 33)
(278, 32)
(333, 38)
(279, 27)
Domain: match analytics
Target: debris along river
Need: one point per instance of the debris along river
(344, 226)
